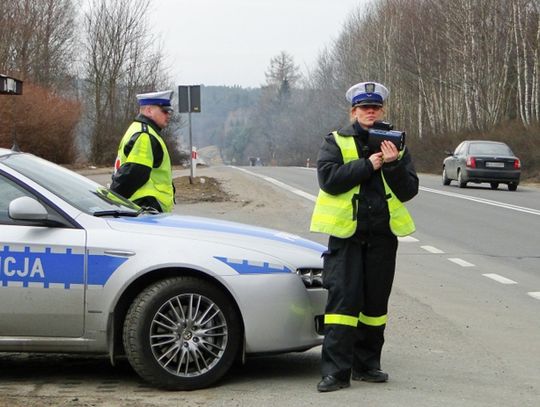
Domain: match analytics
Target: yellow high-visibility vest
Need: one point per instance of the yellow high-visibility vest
(159, 185)
(335, 214)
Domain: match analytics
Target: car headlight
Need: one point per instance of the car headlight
(311, 277)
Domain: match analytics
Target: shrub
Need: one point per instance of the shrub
(42, 122)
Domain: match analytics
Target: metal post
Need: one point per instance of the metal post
(185, 101)
(11, 86)
(191, 171)
(14, 146)
(192, 163)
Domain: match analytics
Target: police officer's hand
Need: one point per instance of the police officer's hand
(389, 151)
(376, 160)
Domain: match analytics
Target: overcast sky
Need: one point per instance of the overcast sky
(231, 42)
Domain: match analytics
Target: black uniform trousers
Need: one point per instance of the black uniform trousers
(358, 274)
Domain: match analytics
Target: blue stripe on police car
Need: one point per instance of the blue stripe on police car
(47, 267)
(245, 267)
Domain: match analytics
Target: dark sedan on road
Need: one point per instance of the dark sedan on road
(482, 161)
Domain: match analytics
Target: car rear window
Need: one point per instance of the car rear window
(489, 149)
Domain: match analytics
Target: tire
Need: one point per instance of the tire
(182, 333)
(512, 186)
(445, 179)
(461, 183)
(494, 185)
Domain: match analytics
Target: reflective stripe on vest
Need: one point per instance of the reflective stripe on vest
(335, 214)
(159, 184)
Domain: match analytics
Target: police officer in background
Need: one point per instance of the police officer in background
(360, 205)
(143, 172)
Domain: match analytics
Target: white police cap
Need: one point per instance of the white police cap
(162, 98)
(367, 93)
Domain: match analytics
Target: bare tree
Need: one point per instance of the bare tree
(282, 70)
(37, 40)
(448, 65)
(271, 117)
(526, 34)
(121, 59)
(55, 49)
(8, 18)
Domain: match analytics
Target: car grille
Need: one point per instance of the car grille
(311, 277)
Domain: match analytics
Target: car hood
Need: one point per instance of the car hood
(219, 231)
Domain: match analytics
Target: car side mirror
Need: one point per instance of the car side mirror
(449, 153)
(27, 209)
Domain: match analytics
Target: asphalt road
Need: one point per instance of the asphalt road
(463, 322)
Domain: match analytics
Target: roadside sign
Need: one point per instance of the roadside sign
(189, 99)
(10, 86)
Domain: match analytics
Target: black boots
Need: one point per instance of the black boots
(373, 376)
(331, 383)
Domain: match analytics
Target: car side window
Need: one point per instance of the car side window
(460, 149)
(8, 192)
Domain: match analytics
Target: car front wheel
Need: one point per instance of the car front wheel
(182, 333)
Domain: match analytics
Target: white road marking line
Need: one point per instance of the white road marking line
(280, 184)
(499, 279)
(461, 262)
(535, 295)
(407, 239)
(484, 201)
(432, 249)
(296, 191)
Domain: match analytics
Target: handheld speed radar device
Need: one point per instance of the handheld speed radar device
(385, 131)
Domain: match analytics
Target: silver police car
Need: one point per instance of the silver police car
(83, 270)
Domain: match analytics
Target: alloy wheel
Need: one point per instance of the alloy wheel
(188, 335)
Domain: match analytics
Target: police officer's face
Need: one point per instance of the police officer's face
(160, 116)
(368, 114)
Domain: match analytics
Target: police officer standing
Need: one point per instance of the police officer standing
(360, 206)
(143, 171)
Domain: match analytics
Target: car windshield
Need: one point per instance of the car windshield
(489, 149)
(79, 191)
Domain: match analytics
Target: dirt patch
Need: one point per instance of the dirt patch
(200, 189)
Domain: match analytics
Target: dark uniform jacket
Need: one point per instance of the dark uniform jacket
(335, 177)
